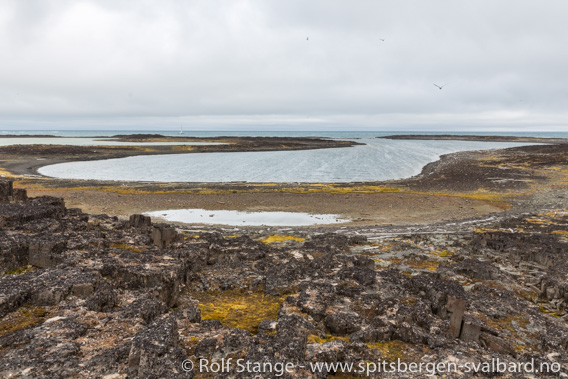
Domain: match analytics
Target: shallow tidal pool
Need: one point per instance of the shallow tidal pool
(238, 218)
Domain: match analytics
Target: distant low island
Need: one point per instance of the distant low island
(459, 137)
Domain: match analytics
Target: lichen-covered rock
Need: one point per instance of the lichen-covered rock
(92, 296)
(155, 351)
(103, 298)
(342, 323)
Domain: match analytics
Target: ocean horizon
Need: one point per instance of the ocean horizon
(274, 133)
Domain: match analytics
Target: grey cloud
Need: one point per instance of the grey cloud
(221, 63)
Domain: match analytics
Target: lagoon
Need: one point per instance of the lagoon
(377, 160)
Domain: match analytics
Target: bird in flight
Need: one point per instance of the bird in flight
(307, 38)
(382, 39)
(440, 87)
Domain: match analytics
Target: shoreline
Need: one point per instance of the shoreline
(27, 159)
(55, 154)
(496, 182)
(467, 259)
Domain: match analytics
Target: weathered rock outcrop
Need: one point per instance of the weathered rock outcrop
(94, 296)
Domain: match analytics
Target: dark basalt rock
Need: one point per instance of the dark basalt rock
(332, 242)
(190, 313)
(93, 296)
(472, 268)
(342, 323)
(163, 235)
(362, 275)
(281, 277)
(104, 297)
(140, 221)
(15, 214)
(155, 351)
(146, 307)
(314, 299)
(6, 190)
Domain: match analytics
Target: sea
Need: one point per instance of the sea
(376, 160)
(272, 133)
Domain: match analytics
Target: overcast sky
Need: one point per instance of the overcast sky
(280, 64)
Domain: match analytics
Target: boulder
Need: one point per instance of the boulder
(19, 194)
(455, 308)
(163, 235)
(140, 221)
(342, 323)
(155, 351)
(44, 254)
(6, 190)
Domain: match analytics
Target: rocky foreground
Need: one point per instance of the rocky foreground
(91, 296)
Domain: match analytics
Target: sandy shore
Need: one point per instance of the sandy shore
(363, 209)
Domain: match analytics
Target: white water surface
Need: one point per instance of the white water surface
(378, 159)
(77, 141)
(237, 218)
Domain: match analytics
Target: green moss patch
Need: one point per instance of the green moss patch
(23, 318)
(238, 309)
(19, 270)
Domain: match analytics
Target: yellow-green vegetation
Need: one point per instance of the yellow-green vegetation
(372, 248)
(491, 230)
(316, 188)
(312, 338)
(123, 246)
(540, 220)
(23, 318)
(44, 185)
(543, 309)
(492, 161)
(280, 238)
(527, 295)
(507, 322)
(408, 300)
(238, 309)
(182, 148)
(548, 219)
(478, 195)
(422, 264)
(261, 188)
(442, 253)
(337, 189)
(264, 184)
(498, 199)
(391, 351)
(7, 174)
(19, 270)
(563, 234)
(194, 340)
(513, 324)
